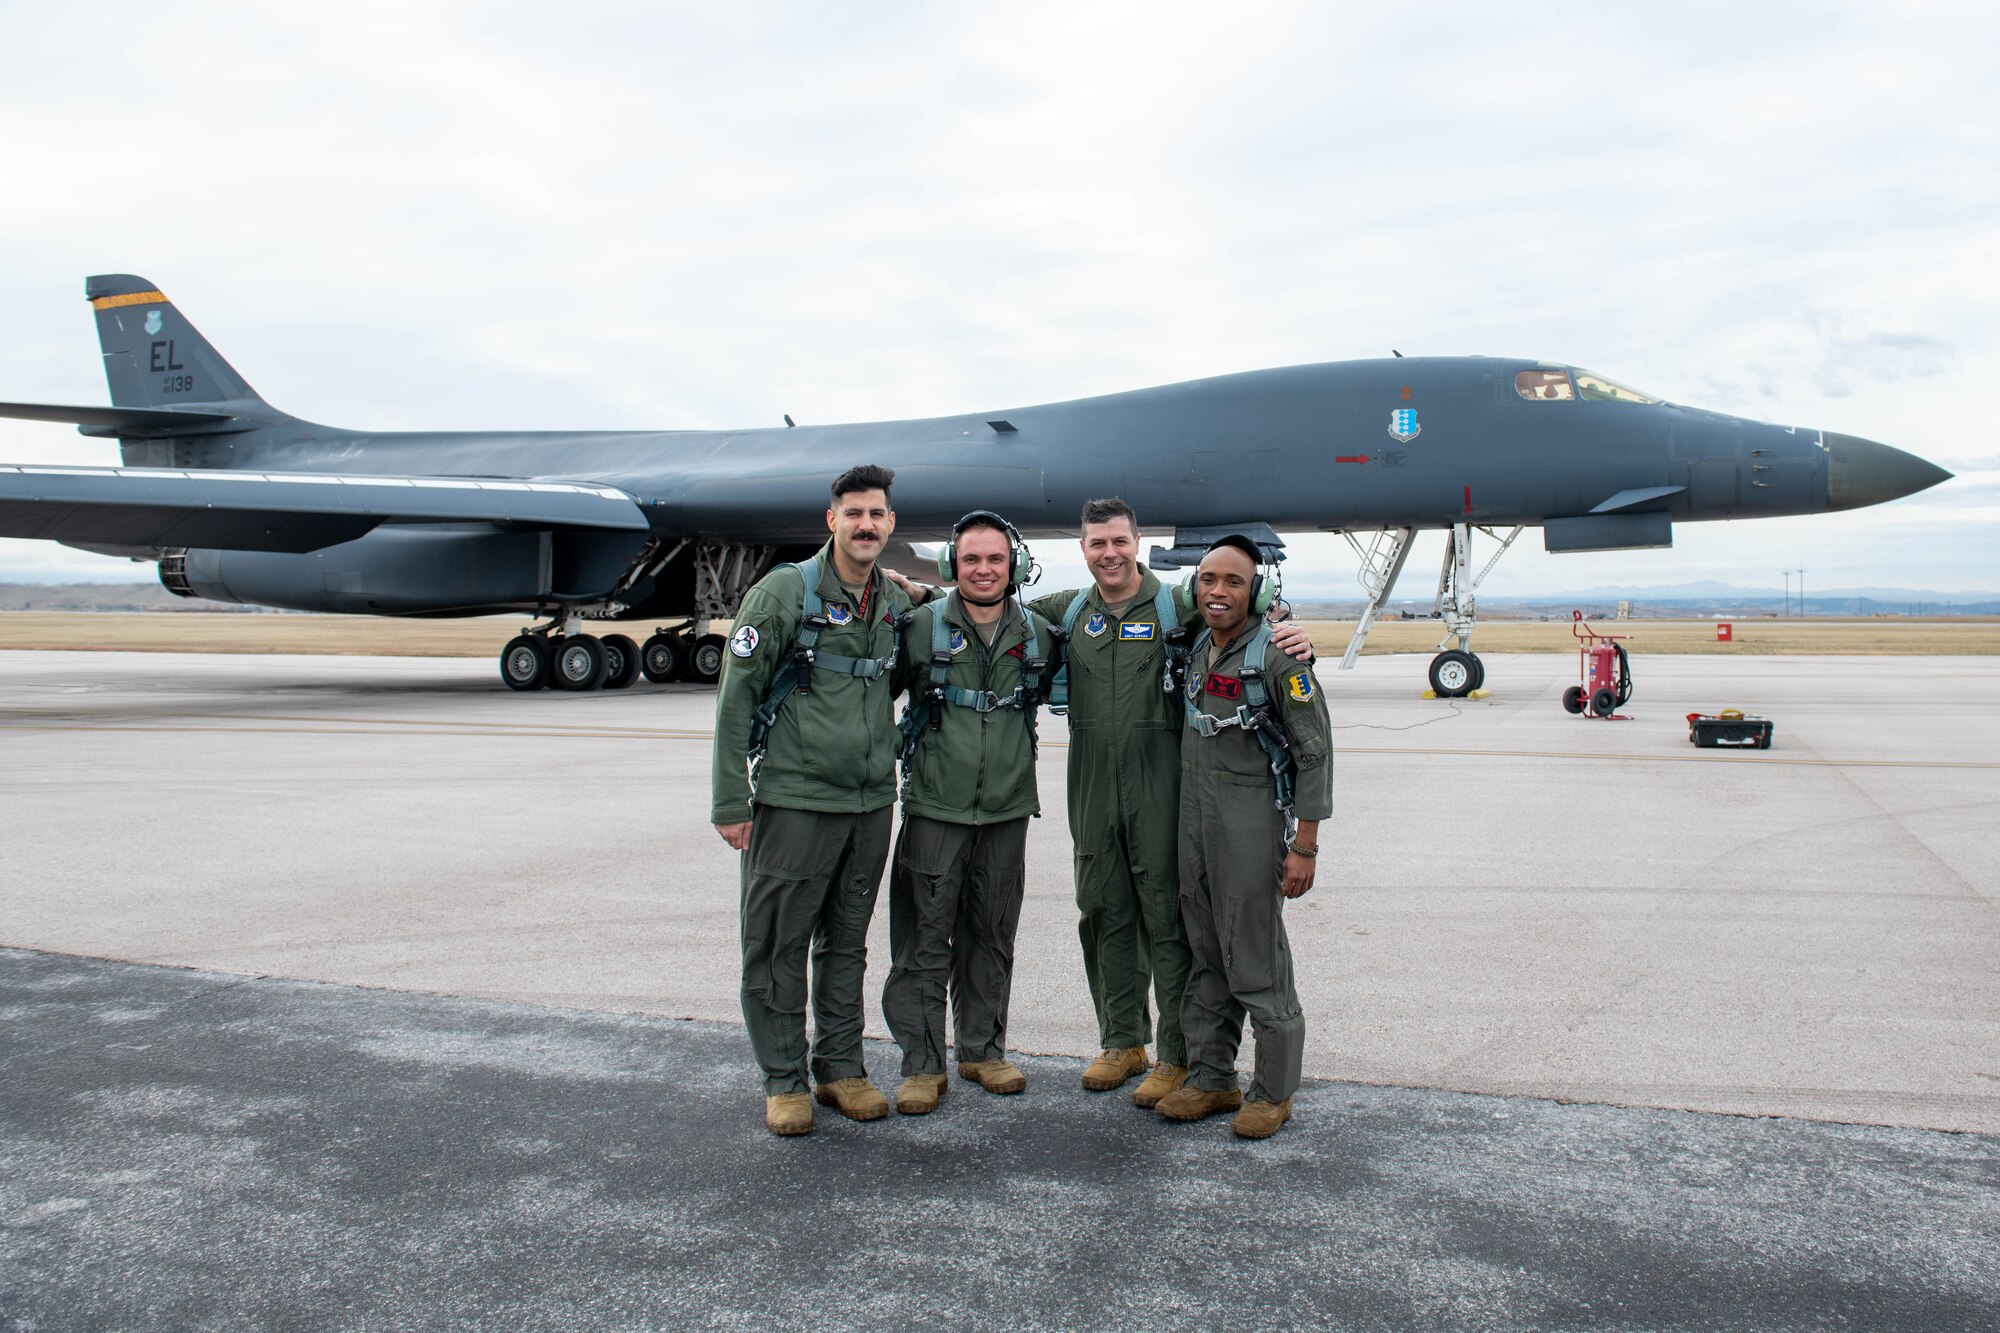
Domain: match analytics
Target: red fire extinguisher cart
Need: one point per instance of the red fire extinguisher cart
(1604, 670)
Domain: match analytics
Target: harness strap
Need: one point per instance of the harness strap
(795, 676)
(1253, 715)
(927, 709)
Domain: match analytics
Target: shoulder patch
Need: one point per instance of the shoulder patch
(1095, 625)
(1140, 631)
(1299, 686)
(744, 641)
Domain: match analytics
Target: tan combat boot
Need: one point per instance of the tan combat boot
(788, 1113)
(1164, 1079)
(1186, 1103)
(994, 1075)
(1111, 1069)
(921, 1093)
(855, 1098)
(1260, 1120)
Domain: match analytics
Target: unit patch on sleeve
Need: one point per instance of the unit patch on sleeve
(1299, 686)
(744, 641)
(1144, 631)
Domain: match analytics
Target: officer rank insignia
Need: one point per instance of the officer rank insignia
(1144, 631)
(1300, 687)
(1094, 626)
(957, 641)
(837, 613)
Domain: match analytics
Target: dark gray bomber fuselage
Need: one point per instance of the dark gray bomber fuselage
(1421, 442)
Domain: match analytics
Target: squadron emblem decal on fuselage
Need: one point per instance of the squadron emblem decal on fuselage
(1403, 425)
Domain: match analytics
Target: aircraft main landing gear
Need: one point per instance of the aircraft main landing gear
(1455, 674)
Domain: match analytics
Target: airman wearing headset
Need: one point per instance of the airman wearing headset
(1256, 780)
(973, 666)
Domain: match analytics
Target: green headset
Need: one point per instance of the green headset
(1263, 590)
(1019, 566)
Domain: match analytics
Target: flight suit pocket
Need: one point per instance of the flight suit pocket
(1251, 952)
(778, 920)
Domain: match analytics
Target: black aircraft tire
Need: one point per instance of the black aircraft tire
(577, 663)
(524, 663)
(1452, 674)
(1605, 702)
(1478, 673)
(621, 661)
(1573, 699)
(663, 658)
(705, 662)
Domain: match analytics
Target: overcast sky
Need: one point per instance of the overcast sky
(625, 216)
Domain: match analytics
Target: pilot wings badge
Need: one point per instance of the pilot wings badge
(1403, 425)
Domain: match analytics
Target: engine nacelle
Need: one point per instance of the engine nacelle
(414, 570)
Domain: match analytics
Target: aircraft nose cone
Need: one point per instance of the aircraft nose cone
(1861, 472)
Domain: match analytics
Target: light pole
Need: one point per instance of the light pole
(1788, 592)
(1802, 592)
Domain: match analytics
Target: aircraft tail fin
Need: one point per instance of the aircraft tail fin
(153, 357)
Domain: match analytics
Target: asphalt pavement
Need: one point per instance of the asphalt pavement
(189, 1149)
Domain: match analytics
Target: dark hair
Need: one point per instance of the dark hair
(867, 477)
(1238, 542)
(1103, 511)
(983, 518)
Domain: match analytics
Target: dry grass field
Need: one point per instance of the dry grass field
(199, 632)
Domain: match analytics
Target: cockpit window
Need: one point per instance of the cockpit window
(1543, 385)
(1597, 389)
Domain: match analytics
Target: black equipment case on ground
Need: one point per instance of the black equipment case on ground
(1729, 729)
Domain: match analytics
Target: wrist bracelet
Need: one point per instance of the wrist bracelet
(1302, 851)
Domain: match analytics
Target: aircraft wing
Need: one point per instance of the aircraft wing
(134, 421)
(280, 511)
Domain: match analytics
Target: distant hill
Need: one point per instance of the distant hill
(1688, 601)
(102, 597)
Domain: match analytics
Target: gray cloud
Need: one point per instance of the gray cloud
(453, 215)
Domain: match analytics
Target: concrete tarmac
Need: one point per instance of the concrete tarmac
(195, 1150)
(1513, 900)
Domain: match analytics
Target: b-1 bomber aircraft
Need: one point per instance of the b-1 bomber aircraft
(237, 501)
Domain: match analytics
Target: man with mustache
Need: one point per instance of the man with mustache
(804, 778)
(1256, 757)
(973, 667)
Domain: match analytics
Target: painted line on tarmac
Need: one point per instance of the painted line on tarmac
(574, 731)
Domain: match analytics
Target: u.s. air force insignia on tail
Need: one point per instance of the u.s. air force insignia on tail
(1300, 687)
(837, 613)
(1095, 625)
(1403, 425)
(1144, 631)
(744, 641)
(957, 642)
